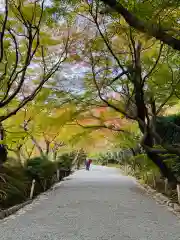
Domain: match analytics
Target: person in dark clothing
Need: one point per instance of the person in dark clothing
(88, 163)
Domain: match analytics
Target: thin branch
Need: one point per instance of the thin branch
(23, 70)
(164, 103)
(5, 70)
(10, 82)
(117, 77)
(29, 55)
(99, 91)
(45, 77)
(3, 31)
(33, 94)
(107, 44)
(102, 126)
(155, 64)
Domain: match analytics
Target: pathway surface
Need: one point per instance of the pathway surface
(100, 204)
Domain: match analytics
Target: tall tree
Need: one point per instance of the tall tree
(25, 50)
(30, 54)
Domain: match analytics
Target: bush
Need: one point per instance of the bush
(42, 170)
(14, 186)
(110, 157)
(16, 180)
(65, 161)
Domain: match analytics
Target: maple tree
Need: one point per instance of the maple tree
(30, 55)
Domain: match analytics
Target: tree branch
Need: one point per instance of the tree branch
(3, 31)
(152, 30)
(102, 126)
(99, 91)
(29, 56)
(118, 76)
(155, 64)
(108, 44)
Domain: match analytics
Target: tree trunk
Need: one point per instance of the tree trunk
(3, 148)
(144, 117)
(54, 155)
(165, 171)
(38, 146)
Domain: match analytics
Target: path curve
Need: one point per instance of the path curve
(100, 204)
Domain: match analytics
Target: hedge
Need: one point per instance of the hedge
(16, 180)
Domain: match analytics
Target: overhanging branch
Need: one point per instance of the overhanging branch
(152, 30)
(102, 126)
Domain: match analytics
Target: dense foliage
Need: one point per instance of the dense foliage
(167, 127)
(16, 179)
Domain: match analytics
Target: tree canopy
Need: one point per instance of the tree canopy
(158, 19)
(89, 74)
(128, 71)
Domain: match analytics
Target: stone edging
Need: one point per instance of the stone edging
(161, 199)
(7, 212)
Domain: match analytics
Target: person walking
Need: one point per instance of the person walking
(88, 163)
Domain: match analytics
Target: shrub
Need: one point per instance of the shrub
(65, 161)
(42, 170)
(109, 157)
(14, 186)
(16, 180)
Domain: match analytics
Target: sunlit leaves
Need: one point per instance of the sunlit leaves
(102, 46)
(30, 12)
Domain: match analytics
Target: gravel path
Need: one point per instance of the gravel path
(100, 204)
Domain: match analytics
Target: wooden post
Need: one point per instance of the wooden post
(178, 192)
(58, 174)
(166, 186)
(154, 180)
(32, 188)
(45, 185)
(126, 169)
(146, 178)
(143, 178)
